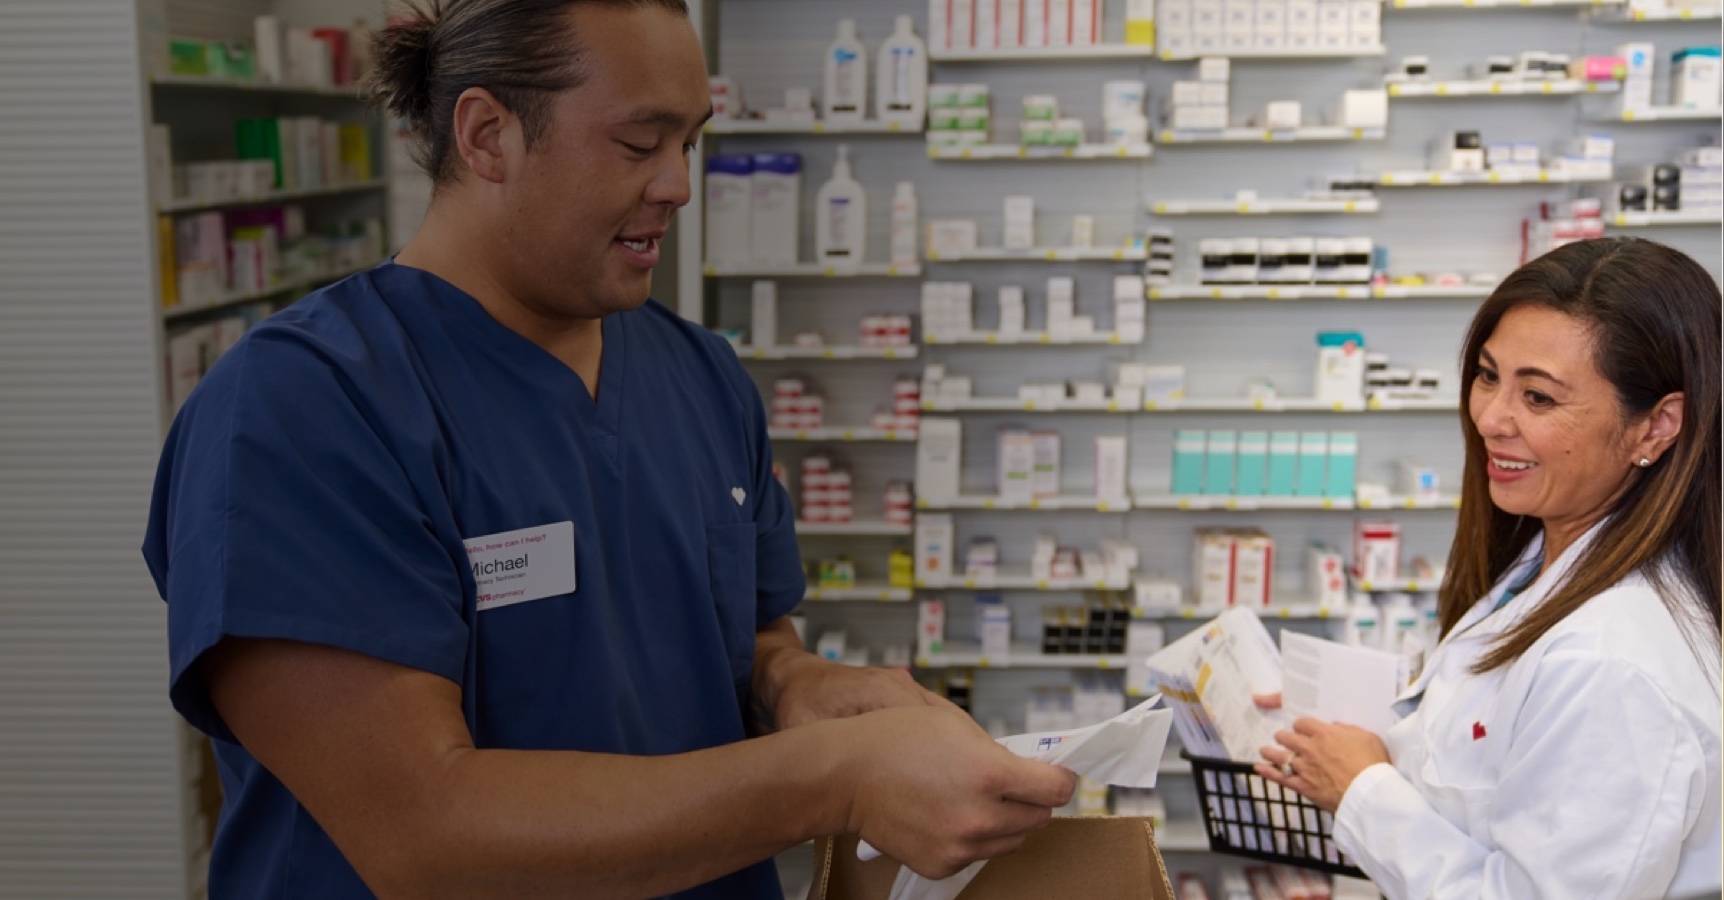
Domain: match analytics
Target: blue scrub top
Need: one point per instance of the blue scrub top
(320, 481)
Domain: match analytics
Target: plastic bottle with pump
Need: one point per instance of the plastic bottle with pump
(841, 216)
(904, 225)
(1403, 634)
(901, 77)
(846, 96)
(1363, 624)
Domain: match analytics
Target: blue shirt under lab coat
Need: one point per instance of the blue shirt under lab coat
(320, 482)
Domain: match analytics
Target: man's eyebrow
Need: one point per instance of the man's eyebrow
(662, 118)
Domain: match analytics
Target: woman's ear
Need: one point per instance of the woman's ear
(1660, 428)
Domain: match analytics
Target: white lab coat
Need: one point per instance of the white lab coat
(1587, 768)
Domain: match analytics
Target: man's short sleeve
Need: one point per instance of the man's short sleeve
(282, 509)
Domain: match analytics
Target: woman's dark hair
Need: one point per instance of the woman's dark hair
(522, 51)
(1653, 315)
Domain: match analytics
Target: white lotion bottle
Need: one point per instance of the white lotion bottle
(904, 230)
(846, 94)
(901, 77)
(841, 223)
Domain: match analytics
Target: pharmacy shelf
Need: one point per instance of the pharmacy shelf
(1272, 611)
(1017, 581)
(1033, 338)
(1267, 135)
(981, 152)
(1620, 16)
(1021, 656)
(1226, 503)
(1315, 292)
(1400, 586)
(1272, 207)
(978, 501)
(747, 351)
(1314, 53)
(1186, 836)
(1423, 178)
(811, 126)
(1044, 54)
(175, 313)
(186, 206)
(1664, 114)
(1296, 404)
(232, 84)
(1013, 404)
(1044, 254)
(811, 270)
(842, 433)
(860, 527)
(878, 593)
(1496, 4)
(1570, 86)
(1653, 219)
(1396, 501)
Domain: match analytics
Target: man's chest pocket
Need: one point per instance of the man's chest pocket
(731, 579)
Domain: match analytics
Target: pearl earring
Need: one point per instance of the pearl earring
(1644, 462)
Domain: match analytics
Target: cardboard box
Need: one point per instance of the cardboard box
(1097, 858)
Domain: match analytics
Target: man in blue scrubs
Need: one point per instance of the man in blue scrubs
(475, 565)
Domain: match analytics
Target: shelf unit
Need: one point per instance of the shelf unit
(1665, 114)
(833, 352)
(1314, 292)
(177, 313)
(994, 152)
(1063, 502)
(842, 434)
(1013, 404)
(856, 528)
(1498, 4)
(1025, 339)
(1276, 610)
(1291, 206)
(1626, 16)
(172, 82)
(189, 206)
(1044, 254)
(1314, 53)
(1421, 178)
(1400, 586)
(1045, 54)
(1218, 503)
(811, 270)
(1016, 580)
(1564, 87)
(1268, 136)
(1658, 219)
(1022, 656)
(815, 126)
(862, 592)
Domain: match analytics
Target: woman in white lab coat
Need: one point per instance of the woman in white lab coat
(1563, 738)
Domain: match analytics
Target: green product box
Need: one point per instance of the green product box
(1313, 464)
(1250, 471)
(1218, 462)
(1283, 463)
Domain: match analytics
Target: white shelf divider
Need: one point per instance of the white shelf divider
(1423, 178)
(1013, 404)
(859, 527)
(1211, 502)
(1400, 585)
(1293, 206)
(864, 592)
(185, 206)
(1315, 53)
(842, 433)
(776, 126)
(781, 351)
(1655, 219)
(1045, 254)
(1664, 114)
(234, 84)
(1026, 338)
(811, 270)
(1022, 656)
(1620, 16)
(1296, 405)
(1016, 581)
(982, 152)
(1564, 87)
(1398, 501)
(1498, 4)
(1433, 292)
(1268, 136)
(174, 313)
(1063, 502)
(1314, 292)
(1277, 610)
(1045, 54)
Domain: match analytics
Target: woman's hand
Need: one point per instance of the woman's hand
(1320, 759)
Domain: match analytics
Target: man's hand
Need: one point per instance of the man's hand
(794, 687)
(931, 790)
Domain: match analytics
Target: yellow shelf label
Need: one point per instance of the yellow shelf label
(894, 126)
(711, 271)
(802, 435)
(1150, 406)
(1047, 339)
(849, 435)
(827, 354)
(1284, 613)
(1215, 293)
(1394, 90)
(928, 404)
(830, 272)
(982, 662)
(1112, 406)
(1029, 405)
(1042, 584)
(1160, 208)
(1442, 89)
(1185, 504)
(991, 339)
(1349, 206)
(1188, 614)
(760, 354)
(988, 503)
(1232, 504)
(1328, 503)
(891, 354)
(1496, 88)
(1113, 339)
(921, 504)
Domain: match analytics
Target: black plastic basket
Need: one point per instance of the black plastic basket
(1248, 815)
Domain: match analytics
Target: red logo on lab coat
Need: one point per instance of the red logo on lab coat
(1478, 731)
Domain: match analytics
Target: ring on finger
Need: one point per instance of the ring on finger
(1287, 767)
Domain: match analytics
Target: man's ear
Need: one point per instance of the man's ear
(484, 130)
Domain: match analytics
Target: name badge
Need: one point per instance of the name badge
(512, 567)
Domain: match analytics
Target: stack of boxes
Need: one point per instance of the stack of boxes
(206, 257)
(826, 491)
(1042, 125)
(1578, 220)
(1101, 626)
(957, 115)
(1201, 105)
(1158, 266)
(1009, 24)
(1029, 465)
(1377, 551)
(1122, 112)
(1265, 464)
(900, 503)
(1232, 567)
(1188, 28)
(1286, 261)
(885, 331)
(905, 414)
(1696, 78)
(1384, 380)
(794, 406)
(752, 208)
(1694, 182)
(948, 309)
